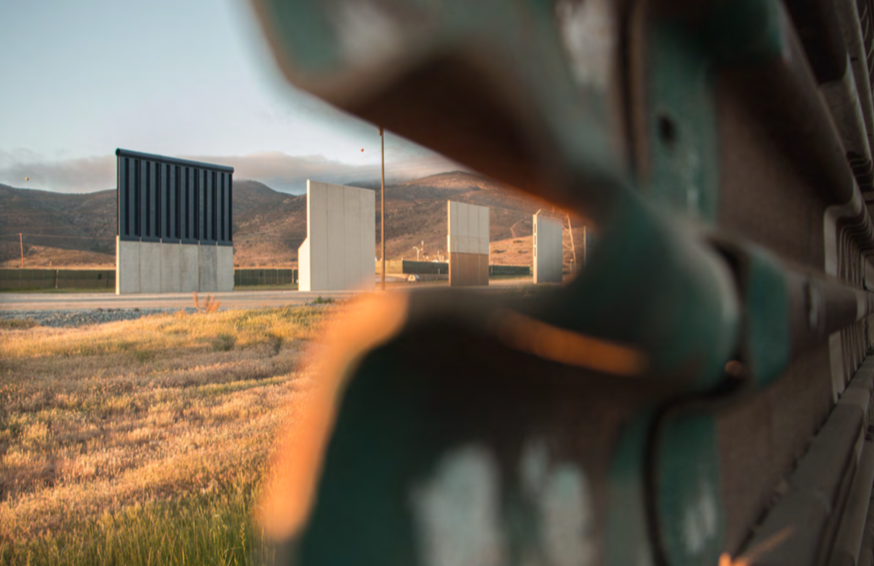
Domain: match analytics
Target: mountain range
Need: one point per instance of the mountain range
(61, 229)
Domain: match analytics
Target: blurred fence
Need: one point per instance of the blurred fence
(244, 277)
(408, 267)
(57, 278)
(509, 270)
(105, 278)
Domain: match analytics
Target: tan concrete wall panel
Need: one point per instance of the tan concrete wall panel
(224, 268)
(317, 234)
(339, 249)
(207, 265)
(468, 244)
(484, 227)
(189, 267)
(548, 249)
(150, 267)
(367, 239)
(336, 234)
(171, 279)
(127, 266)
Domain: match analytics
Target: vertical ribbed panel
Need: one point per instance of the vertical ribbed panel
(161, 199)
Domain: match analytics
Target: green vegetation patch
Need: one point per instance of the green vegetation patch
(17, 323)
(206, 528)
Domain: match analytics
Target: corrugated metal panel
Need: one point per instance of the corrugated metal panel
(169, 200)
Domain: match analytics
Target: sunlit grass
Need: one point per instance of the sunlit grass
(143, 442)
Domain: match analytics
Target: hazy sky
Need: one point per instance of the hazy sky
(186, 78)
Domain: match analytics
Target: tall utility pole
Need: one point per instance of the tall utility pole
(382, 203)
(21, 245)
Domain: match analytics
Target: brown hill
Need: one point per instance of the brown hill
(269, 226)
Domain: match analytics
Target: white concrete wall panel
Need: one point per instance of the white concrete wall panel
(317, 234)
(336, 233)
(351, 246)
(468, 243)
(468, 227)
(150, 267)
(463, 228)
(207, 268)
(484, 227)
(127, 266)
(224, 268)
(304, 280)
(189, 267)
(339, 250)
(367, 239)
(473, 230)
(171, 259)
(548, 249)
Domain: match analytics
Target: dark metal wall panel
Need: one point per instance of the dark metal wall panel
(123, 228)
(199, 204)
(225, 216)
(143, 198)
(213, 209)
(163, 199)
(209, 202)
(189, 235)
(230, 209)
(170, 234)
(133, 200)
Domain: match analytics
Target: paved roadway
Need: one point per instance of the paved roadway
(88, 301)
(235, 299)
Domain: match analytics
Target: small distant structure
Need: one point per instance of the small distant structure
(174, 225)
(341, 236)
(548, 248)
(468, 244)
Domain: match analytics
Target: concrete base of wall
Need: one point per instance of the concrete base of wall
(170, 266)
(189, 267)
(468, 269)
(150, 267)
(208, 282)
(224, 268)
(155, 267)
(127, 266)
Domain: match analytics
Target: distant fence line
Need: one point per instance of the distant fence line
(105, 278)
(408, 267)
(243, 277)
(509, 270)
(251, 276)
(57, 278)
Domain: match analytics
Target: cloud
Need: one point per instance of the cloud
(282, 172)
(71, 176)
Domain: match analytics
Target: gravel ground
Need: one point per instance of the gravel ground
(83, 317)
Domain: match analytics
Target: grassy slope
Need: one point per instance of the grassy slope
(143, 442)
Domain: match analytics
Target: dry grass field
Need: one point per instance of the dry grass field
(143, 442)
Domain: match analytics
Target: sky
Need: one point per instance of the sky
(184, 78)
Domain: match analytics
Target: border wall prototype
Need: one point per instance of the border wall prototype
(468, 244)
(548, 249)
(338, 253)
(174, 225)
